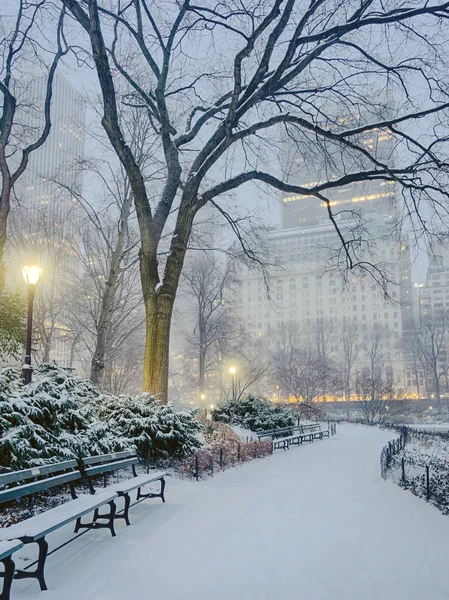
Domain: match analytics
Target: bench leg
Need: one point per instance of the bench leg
(125, 512)
(8, 576)
(110, 516)
(151, 495)
(39, 572)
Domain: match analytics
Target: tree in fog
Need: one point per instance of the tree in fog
(375, 398)
(107, 309)
(209, 283)
(218, 81)
(429, 347)
(302, 374)
(374, 384)
(30, 47)
(349, 349)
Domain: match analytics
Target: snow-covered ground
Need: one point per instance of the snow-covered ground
(315, 522)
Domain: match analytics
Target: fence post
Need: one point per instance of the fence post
(212, 464)
(255, 449)
(427, 483)
(403, 470)
(238, 453)
(221, 458)
(197, 474)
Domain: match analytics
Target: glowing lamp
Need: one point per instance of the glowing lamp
(31, 274)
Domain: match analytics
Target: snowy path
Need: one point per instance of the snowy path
(313, 523)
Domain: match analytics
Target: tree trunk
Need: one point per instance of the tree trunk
(98, 358)
(4, 212)
(157, 343)
(201, 360)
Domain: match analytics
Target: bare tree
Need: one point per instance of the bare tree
(24, 49)
(107, 307)
(302, 374)
(349, 347)
(429, 347)
(322, 337)
(376, 398)
(209, 283)
(324, 71)
(251, 368)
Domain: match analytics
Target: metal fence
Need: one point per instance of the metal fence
(390, 450)
(426, 479)
(205, 463)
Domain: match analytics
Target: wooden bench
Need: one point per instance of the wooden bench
(303, 433)
(95, 466)
(7, 548)
(275, 433)
(24, 483)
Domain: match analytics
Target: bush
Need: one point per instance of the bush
(59, 416)
(50, 419)
(156, 430)
(254, 414)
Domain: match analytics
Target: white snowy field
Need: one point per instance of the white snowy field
(316, 523)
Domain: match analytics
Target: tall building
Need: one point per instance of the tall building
(308, 291)
(307, 166)
(434, 296)
(44, 224)
(427, 345)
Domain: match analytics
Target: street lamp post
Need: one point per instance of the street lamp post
(233, 371)
(31, 276)
(203, 403)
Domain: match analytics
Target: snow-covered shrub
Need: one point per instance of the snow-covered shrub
(52, 418)
(156, 430)
(59, 416)
(254, 413)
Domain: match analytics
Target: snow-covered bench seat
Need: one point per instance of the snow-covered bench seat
(95, 466)
(36, 528)
(7, 548)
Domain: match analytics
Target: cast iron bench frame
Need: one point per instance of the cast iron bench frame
(94, 466)
(7, 548)
(314, 433)
(28, 531)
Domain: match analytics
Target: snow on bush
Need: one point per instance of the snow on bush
(253, 413)
(156, 430)
(52, 418)
(59, 416)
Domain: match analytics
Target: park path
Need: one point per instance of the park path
(311, 523)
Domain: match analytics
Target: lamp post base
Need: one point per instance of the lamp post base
(27, 372)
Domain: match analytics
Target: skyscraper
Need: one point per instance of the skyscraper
(307, 290)
(308, 166)
(44, 221)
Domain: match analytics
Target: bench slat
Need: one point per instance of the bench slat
(41, 525)
(8, 547)
(17, 476)
(128, 485)
(37, 486)
(95, 460)
(120, 464)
